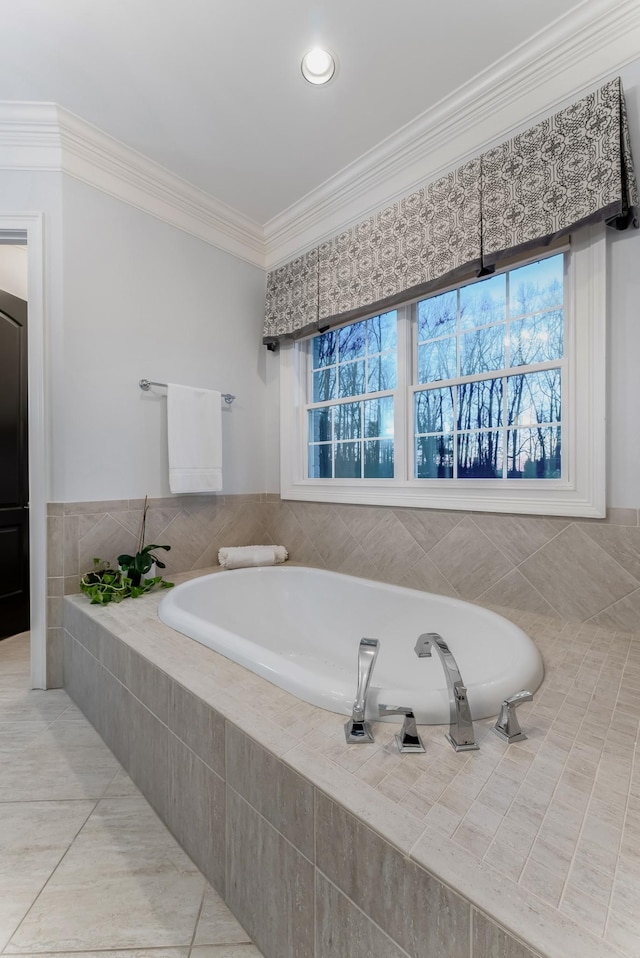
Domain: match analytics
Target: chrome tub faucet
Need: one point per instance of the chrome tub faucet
(357, 730)
(461, 735)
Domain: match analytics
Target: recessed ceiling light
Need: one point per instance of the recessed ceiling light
(318, 66)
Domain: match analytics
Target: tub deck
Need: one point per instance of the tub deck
(538, 841)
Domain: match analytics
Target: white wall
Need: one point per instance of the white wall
(13, 270)
(143, 299)
(623, 363)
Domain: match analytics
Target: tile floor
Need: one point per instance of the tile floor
(86, 867)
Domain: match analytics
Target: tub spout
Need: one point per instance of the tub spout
(461, 734)
(357, 730)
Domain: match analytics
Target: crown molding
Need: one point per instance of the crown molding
(556, 66)
(47, 138)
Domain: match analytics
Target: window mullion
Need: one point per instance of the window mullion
(402, 416)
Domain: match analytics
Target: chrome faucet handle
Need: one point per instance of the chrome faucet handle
(407, 738)
(508, 726)
(357, 730)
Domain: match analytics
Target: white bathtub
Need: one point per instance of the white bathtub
(300, 629)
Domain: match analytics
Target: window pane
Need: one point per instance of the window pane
(320, 461)
(319, 425)
(483, 303)
(437, 360)
(348, 460)
(534, 397)
(378, 459)
(351, 379)
(537, 286)
(351, 341)
(482, 350)
(382, 332)
(434, 411)
(434, 457)
(382, 373)
(480, 455)
(324, 350)
(378, 417)
(346, 419)
(480, 404)
(534, 453)
(437, 316)
(324, 384)
(537, 339)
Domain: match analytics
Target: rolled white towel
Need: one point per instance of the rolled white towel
(241, 557)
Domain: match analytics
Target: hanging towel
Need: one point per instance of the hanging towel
(194, 432)
(241, 557)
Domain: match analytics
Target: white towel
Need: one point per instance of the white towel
(194, 432)
(241, 557)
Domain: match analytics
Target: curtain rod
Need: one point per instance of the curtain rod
(146, 384)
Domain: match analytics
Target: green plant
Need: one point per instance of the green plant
(104, 584)
(136, 566)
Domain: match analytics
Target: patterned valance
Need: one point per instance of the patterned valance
(569, 170)
(292, 299)
(431, 233)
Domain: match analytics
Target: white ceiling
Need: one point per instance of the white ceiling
(212, 89)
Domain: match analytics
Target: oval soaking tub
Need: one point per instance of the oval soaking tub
(300, 628)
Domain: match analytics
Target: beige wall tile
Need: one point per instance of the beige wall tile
(391, 548)
(620, 542)
(198, 725)
(148, 760)
(55, 546)
(576, 576)
(468, 559)
(516, 592)
(342, 929)
(623, 614)
(360, 520)
(426, 576)
(270, 885)
(491, 941)
(433, 920)
(276, 791)
(195, 810)
(106, 539)
(359, 564)
(518, 537)
(428, 527)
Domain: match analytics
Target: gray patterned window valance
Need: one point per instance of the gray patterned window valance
(569, 170)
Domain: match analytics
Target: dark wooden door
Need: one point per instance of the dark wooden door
(14, 467)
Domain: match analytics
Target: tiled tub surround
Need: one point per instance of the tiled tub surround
(326, 850)
(584, 570)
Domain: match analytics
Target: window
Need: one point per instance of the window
(485, 396)
(491, 355)
(350, 436)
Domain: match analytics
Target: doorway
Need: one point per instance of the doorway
(25, 230)
(14, 467)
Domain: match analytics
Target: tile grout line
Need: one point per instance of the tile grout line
(53, 871)
(197, 921)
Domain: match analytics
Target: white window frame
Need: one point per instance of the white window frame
(583, 493)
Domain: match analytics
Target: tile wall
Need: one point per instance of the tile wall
(584, 570)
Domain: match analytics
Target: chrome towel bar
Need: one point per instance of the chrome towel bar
(146, 384)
